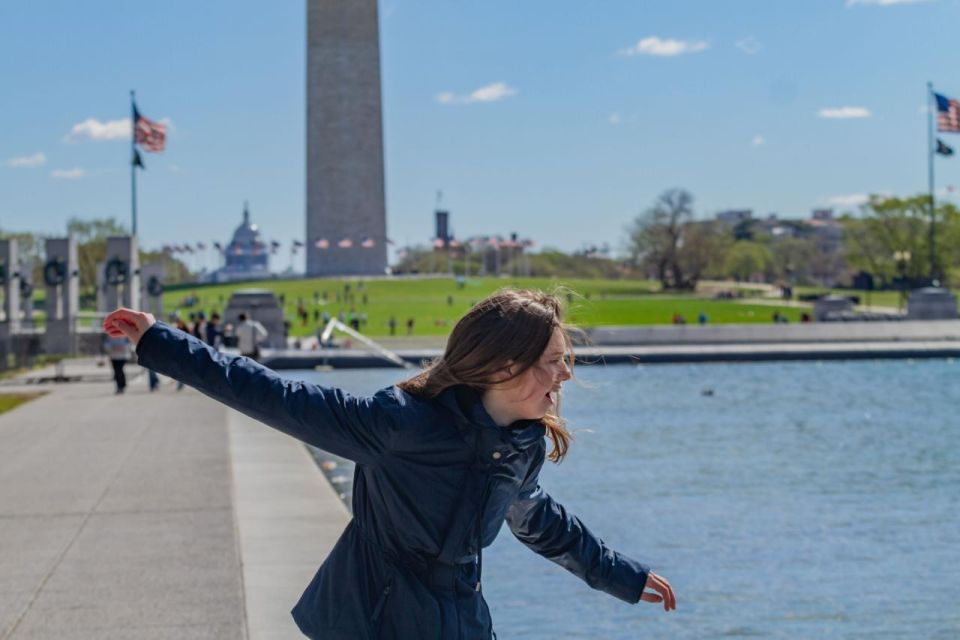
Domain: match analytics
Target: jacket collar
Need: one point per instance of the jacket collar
(466, 403)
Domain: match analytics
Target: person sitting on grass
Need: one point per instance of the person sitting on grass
(442, 460)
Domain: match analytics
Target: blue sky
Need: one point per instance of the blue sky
(559, 120)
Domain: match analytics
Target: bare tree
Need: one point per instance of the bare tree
(667, 241)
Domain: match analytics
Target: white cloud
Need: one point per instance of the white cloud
(883, 3)
(758, 141)
(68, 174)
(844, 112)
(27, 162)
(748, 45)
(489, 93)
(93, 129)
(614, 119)
(664, 47)
(848, 200)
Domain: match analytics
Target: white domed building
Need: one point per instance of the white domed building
(247, 256)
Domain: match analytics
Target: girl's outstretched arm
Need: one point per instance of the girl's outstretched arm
(545, 526)
(326, 417)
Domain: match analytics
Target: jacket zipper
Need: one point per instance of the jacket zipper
(479, 529)
(377, 610)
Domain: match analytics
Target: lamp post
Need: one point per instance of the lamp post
(902, 259)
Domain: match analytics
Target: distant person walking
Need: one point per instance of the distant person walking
(214, 333)
(118, 350)
(250, 334)
(200, 326)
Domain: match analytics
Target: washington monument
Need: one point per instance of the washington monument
(345, 192)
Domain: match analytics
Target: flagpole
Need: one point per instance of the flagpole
(931, 105)
(133, 164)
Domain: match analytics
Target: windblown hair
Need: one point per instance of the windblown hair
(511, 327)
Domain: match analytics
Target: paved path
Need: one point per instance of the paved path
(160, 515)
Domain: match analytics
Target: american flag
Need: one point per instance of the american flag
(948, 114)
(346, 243)
(150, 135)
(322, 243)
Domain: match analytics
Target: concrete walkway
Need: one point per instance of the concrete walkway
(154, 515)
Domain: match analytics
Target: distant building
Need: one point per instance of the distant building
(247, 255)
(733, 217)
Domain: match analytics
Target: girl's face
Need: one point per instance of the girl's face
(537, 391)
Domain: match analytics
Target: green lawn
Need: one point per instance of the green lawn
(10, 401)
(658, 309)
(596, 302)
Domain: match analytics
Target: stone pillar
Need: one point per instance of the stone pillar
(62, 281)
(122, 273)
(10, 280)
(151, 289)
(345, 191)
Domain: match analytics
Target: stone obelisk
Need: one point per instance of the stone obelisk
(345, 190)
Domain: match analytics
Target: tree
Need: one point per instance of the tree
(898, 227)
(746, 259)
(666, 241)
(792, 258)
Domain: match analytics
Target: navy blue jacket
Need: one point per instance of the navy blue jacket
(435, 479)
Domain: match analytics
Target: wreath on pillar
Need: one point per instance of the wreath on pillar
(117, 271)
(154, 287)
(3, 273)
(54, 272)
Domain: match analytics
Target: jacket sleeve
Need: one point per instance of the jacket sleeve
(326, 417)
(545, 526)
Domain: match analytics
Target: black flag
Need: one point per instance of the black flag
(943, 149)
(138, 162)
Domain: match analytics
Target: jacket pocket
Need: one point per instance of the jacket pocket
(406, 609)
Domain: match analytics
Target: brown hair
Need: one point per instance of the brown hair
(511, 327)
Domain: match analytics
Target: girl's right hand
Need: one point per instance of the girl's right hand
(664, 592)
(129, 323)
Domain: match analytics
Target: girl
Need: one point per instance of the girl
(442, 459)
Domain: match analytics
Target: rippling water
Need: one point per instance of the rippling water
(781, 500)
